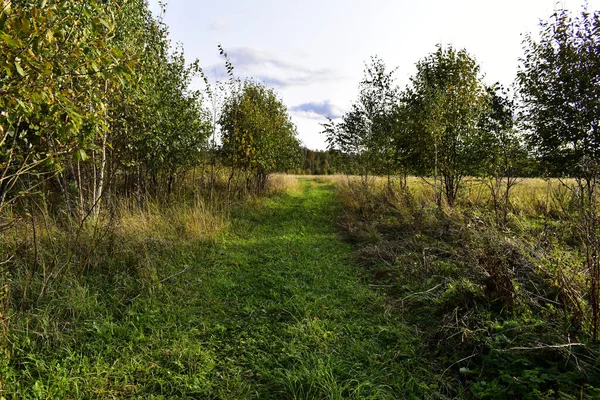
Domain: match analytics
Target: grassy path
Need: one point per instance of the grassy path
(275, 311)
(294, 321)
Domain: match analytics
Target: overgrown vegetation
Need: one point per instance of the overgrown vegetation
(503, 288)
(148, 248)
(502, 311)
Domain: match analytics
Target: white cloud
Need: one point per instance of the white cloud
(271, 70)
(220, 25)
(317, 110)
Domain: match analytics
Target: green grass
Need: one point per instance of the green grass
(489, 299)
(273, 309)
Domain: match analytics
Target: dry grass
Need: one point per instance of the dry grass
(46, 254)
(279, 183)
(44, 250)
(475, 286)
(529, 198)
(172, 222)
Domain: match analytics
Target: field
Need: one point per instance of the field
(326, 288)
(267, 305)
(155, 242)
(501, 304)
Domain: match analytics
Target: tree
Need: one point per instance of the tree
(404, 140)
(365, 132)
(91, 93)
(257, 134)
(176, 137)
(502, 155)
(351, 137)
(55, 61)
(446, 99)
(559, 86)
(159, 129)
(559, 83)
(377, 99)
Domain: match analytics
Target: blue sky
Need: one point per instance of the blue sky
(313, 51)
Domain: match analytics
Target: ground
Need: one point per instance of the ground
(275, 308)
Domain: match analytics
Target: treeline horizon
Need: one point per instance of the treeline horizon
(334, 162)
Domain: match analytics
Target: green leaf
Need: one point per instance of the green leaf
(105, 23)
(25, 25)
(80, 155)
(50, 36)
(19, 69)
(9, 40)
(24, 107)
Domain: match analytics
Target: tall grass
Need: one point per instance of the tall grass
(499, 305)
(279, 183)
(530, 197)
(49, 256)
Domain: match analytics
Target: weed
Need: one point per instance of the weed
(500, 309)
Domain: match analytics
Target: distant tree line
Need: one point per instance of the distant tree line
(318, 162)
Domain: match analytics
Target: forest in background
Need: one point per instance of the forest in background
(110, 164)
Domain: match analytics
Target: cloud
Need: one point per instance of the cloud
(273, 71)
(317, 110)
(220, 25)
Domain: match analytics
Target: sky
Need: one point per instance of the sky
(313, 52)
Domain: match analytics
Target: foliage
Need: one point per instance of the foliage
(160, 127)
(57, 58)
(447, 98)
(175, 138)
(257, 133)
(365, 131)
(98, 130)
(558, 83)
(73, 114)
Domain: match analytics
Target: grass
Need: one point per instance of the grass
(272, 307)
(268, 299)
(496, 306)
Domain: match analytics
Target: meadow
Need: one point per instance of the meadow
(151, 245)
(502, 306)
(326, 287)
